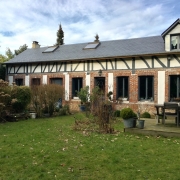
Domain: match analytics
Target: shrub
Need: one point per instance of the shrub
(64, 110)
(83, 94)
(117, 113)
(5, 98)
(146, 115)
(127, 113)
(44, 98)
(21, 97)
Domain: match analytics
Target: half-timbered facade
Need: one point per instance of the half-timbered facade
(141, 71)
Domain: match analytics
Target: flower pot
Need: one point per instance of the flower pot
(129, 123)
(33, 115)
(82, 107)
(141, 124)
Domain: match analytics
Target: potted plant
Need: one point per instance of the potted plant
(83, 95)
(141, 121)
(109, 95)
(129, 117)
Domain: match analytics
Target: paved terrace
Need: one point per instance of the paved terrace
(151, 127)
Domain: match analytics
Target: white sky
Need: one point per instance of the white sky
(24, 21)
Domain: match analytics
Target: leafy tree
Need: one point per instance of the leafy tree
(2, 71)
(2, 58)
(9, 54)
(60, 36)
(21, 49)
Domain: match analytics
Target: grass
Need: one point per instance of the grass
(50, 149)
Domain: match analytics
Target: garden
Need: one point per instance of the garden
(51, 148)
(78, 145)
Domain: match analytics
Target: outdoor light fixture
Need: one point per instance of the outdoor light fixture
(100, 72)
(169, 58)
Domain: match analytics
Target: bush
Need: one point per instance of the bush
(117, 113)
(127, 113)
(21, 97)
(64, 110)
(45, 97)
(5, 98)
(83, 94)
(146, 115)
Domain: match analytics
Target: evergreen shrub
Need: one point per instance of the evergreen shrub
(145, 115)
(127, 113)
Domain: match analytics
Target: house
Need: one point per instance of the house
(144, 70)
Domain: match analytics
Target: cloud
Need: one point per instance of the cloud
(25, 21)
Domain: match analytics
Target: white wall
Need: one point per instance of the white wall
(110, 82)
(88, 81)
(66, 86)
(44, 79)
(10, 79)
(27, 80)
(161, 87)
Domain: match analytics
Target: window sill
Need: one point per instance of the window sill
(76, 98)
(143, 101)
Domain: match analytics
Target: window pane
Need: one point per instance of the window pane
(76, 86)
(150, 88)
(146, 88)
(142, 88)
(19, 82)
(35, 81)
(174, 87)
(174, 42)
(56, 81)
(122, 87)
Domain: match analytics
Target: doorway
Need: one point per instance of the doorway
(100, 82)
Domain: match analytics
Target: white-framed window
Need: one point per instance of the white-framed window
(175, 42)
(122, 90)
(77, 84)
(174, 87)
(36, 81)
(146, 88)
(19, 82)
(58, 81)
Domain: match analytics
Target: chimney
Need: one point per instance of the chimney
(35, 45)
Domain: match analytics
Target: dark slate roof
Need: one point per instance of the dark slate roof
(106, 49)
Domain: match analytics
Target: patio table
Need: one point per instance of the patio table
(161, 114)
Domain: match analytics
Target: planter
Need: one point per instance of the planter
(33, 115)
(129, 123)
(141, 124)
(82, 107)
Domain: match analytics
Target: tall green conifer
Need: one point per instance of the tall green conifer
(60, 36)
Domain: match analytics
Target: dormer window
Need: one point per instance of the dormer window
(175, 42)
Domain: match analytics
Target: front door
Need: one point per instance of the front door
(100, 82)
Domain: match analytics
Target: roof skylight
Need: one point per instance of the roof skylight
(50, 49)
(91, 46)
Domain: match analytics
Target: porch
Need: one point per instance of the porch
(151, 127)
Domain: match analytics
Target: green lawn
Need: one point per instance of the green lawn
(50, 149)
